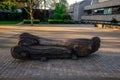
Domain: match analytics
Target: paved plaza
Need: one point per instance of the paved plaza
(102, 65)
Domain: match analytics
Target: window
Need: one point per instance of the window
(108, 11)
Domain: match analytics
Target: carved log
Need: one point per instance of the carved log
(29, 39)
(80, 47)
(41, 52)
(31, 46)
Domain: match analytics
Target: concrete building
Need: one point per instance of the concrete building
(94, 2)
(102, 0)
(104, 10)
(76, 10)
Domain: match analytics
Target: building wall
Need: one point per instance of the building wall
(104, 4)
(81, 8)
(94, 2)
(76, 10)
(102, 17)
(102, 0)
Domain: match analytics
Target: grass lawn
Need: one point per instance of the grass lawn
(9, 22)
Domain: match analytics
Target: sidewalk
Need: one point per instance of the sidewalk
(102, 65)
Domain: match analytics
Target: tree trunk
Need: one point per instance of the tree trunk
(45, 10)
(31, 12)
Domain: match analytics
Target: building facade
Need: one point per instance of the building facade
(76, 10)
(102, 0)
(104, 10)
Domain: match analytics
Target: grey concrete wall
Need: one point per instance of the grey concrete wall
(102, 17)
(81, 8)
(103, 0)
(77, 10)
(103, 4)
(94, 2)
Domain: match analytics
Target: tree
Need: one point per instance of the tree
(29, 9)
(51, 4)
(60, 11)
(8, 5)
(34, 4)
(41, 4)
(9, 11)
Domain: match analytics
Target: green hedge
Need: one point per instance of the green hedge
(68, 22)
(53, 21)
(66, 16)
(27, 21)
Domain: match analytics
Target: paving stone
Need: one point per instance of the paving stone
(102, 65)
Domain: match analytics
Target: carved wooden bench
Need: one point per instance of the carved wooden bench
(31, 46)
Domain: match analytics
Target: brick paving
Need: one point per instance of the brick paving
(102, 65)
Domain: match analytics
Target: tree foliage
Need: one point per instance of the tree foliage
(54, 3)
(58, 5)
(66, 16)
(8, 5)
(60, 8)
(61, 12)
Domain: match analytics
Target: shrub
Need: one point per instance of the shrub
(36, 21)
(55, 21)
(56, 16)
(68, 22)
(27, 21)
(66, 16)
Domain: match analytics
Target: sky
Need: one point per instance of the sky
(72, 1)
